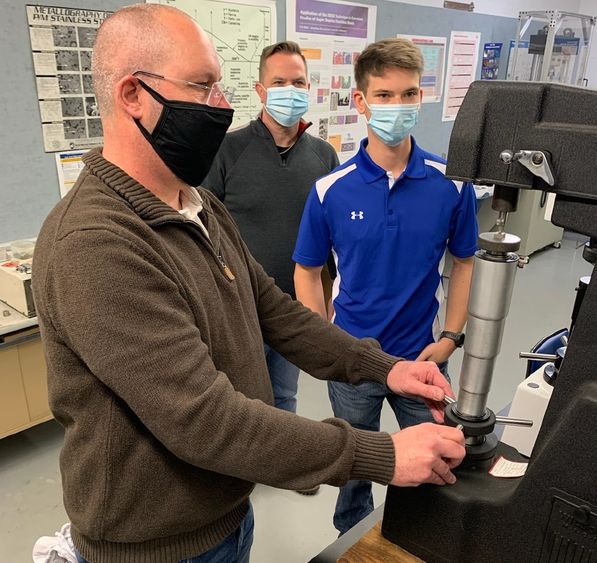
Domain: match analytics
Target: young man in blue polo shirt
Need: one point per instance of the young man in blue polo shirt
(388, 215)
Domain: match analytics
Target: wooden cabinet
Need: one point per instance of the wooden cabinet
(23, 386)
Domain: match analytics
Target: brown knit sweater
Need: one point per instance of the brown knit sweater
(156, 370)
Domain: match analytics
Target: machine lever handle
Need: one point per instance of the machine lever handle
(537, 356)
(513, 421)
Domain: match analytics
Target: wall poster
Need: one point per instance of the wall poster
(239, 31)
(68, 166)
(433, 50)
(491, 61)
(331, 35)
(61, 44)
(463, 57)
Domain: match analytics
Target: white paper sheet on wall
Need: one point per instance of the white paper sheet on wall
(68, 165)
(463, 58)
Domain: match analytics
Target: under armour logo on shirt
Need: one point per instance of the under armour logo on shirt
(357, 214)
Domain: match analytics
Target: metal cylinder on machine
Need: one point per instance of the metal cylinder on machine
(505, 199)
(494, 271)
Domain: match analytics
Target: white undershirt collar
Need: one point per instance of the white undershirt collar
(192, 204)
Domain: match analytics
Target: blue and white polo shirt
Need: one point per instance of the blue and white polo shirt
(388, 239)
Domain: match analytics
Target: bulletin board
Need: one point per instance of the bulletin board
(29, 180)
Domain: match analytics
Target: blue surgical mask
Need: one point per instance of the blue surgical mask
(392, 123)
(287, 104)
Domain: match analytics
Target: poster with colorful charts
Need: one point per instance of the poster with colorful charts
(331, 36)
(491, 61)
(433, 50)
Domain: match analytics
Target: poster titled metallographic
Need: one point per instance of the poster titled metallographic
(61, 44)
(331, 36)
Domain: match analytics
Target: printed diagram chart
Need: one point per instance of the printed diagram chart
(239, 31)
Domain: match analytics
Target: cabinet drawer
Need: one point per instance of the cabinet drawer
(33, 371)
(13, 403)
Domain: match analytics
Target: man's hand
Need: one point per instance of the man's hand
(426, 453)
(438, 351)
(421, 380)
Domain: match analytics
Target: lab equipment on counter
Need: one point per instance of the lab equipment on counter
(15, 276)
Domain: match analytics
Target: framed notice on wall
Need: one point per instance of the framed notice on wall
(463, 57)
(61, 44)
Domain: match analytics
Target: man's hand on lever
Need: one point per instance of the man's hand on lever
(421, 380)
(428, 452)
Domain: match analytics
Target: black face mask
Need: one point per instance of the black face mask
(187, 136)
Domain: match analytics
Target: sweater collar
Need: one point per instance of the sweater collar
(260, 128)
(144, 203)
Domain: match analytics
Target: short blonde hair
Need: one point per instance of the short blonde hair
(387, 53)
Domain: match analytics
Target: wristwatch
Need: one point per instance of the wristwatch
(457, 337)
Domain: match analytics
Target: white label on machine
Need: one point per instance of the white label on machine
(549, 206)
(508, 469)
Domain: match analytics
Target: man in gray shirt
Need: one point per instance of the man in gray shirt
(263, 173)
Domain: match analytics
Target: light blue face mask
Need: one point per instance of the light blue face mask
(392, 123)
(287, 104)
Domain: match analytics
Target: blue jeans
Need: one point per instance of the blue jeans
(284, 378)
(236, 548)
(361, 405)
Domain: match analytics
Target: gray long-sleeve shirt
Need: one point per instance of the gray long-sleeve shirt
(265, 192)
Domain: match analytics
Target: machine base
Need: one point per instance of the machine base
(481, 519)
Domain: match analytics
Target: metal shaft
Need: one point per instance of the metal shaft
(489, 301)
(538, 356)
(508, 420)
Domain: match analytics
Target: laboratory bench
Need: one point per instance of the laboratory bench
(23, 385)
